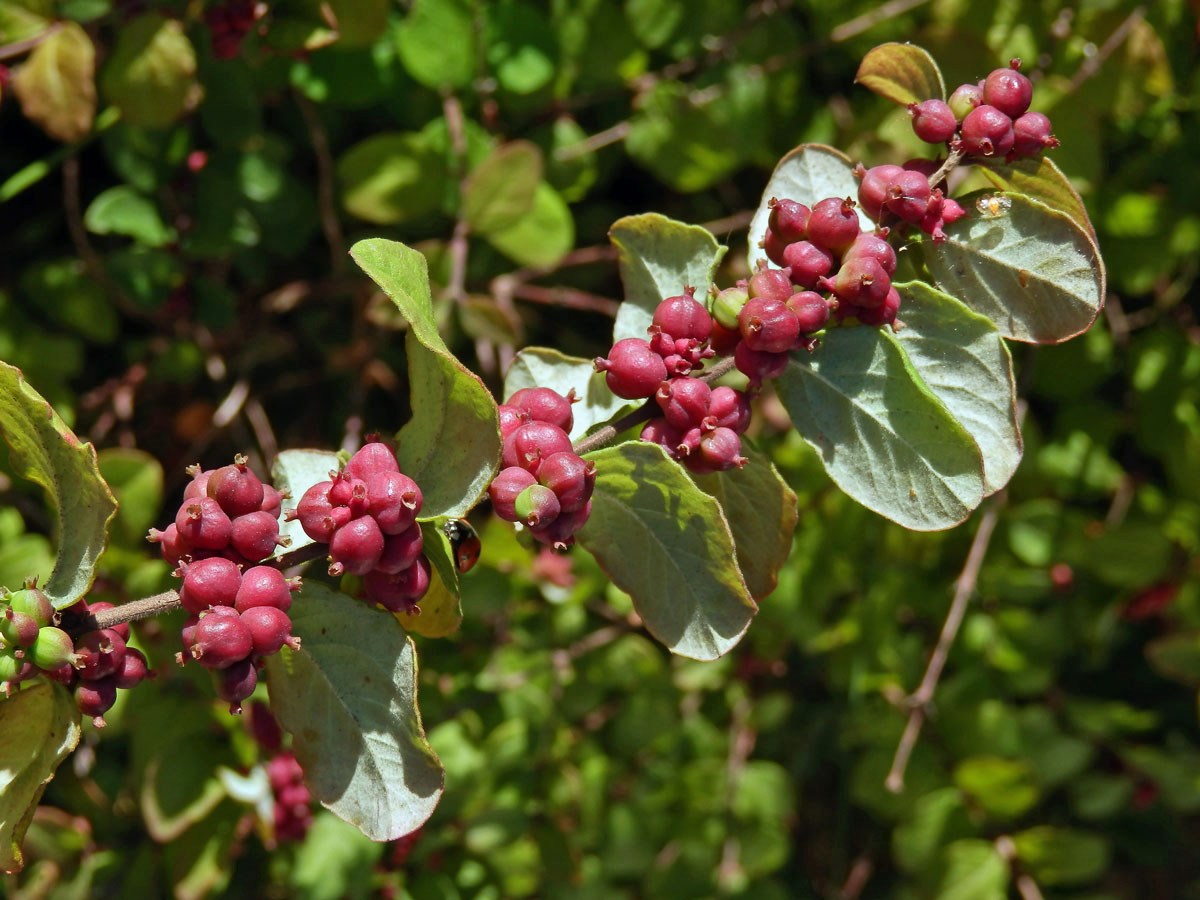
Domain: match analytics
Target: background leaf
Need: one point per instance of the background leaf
(1031, 270)
(45, 451)
(500, 190)
(883, 436)
(151, 74)
(659, 257)
(122, 210)
(451, 447)
(543, 235)
(295, 471)
(39, 726)
(349, 698)
(390, 178)
(903, 73)
(56, 85)
(437, 43)
(962, 359)
(667, 544)
(544, 367)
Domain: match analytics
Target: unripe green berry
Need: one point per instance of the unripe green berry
(34, 603)
(537, 506)
(727, 304)
(52, 648)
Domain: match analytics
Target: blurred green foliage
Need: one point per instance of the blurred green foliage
(176, 284)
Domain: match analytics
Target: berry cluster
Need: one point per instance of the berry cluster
(293, 801)
(95, 666)
(237, 618)
(989, 119)
(226, 512)
(367, 514)
(228, 25)
(699, 426)
(901, 195)
(543, 484)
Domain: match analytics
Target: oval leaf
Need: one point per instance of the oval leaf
(883, 436)
(39, 726)
(391, 178)
(57, 83)
(349, 698)
(543, 367)
(500, 190)
(1040, 179)
(543, 235)
(441, 607)
(667, 544)
(903, 73)
(1030, 269)
(295, 471)
(761, 511)
(451, 446)
(962, 358)
(436, 43)
(809, 173)
(151, 75)
(658, 257)
(122, 210)
(46, 451)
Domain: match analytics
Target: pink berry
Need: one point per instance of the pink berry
(315, 512)
(570, 477)
(771, 284)
(909, 196)
(632, 370)
(861, 282)
(265, 586)
(807, 262)
(95, 698)
(235, 488)
(99, 654)
(511, 418)
(964, 99)
(874, 247)
(220, 640)
(788, 219)
(543, 404)
(660, 431)
(721, 449)
(810, 309)
(272, 501)
(684, 401)
(356, 547)
(173, 547)
(683, 317)
(372, 458)
(773, 245)
(767, 325)
(350, 492)
(198, 486)
(394, 500)
(730, 408)
(933, 121)
(986, 131)
(875, 188)
(1008, 90)
(505, 487)
(255, 535)
(134, 669)
(203, 524)
(758, 365)
(1031, 135)
(236, 683)
(561, 532)
(401, 550)
(530, 444)
(209, 582)
(833, 224)
(402, 591)
(537, 506)
(270, 628)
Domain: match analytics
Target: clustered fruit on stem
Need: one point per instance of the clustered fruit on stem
(292, 811)
(95, 666)
(367, 514)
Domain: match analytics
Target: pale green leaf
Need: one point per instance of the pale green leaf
(39, 726)
(151, 74)
(391, 177)
(1040, 178)
(295, 471)
(1030, 269)
(973, 870)
(45, 451)
(1062, 856)
(903, 73)
(883, 435)
(658, 257)
(542, 236)
(667, 544)
(56, 85)
(961, 358)
(451, 447)
(437, 43)
(500, 190)
(122, 210)
(1004, 788)
(349, 698)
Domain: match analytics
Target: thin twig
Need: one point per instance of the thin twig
(856, 880)
(867, 20)
(326, 199)
(568, 298)
(612, 135)
(91, 259)
(1092, 64)
(1024, 883)
(964, 586)
(8, 51)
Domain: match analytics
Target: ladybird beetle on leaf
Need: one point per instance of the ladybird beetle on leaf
(464, 542)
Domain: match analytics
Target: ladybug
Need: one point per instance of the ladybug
(465, 543)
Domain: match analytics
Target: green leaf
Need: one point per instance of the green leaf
(437, 43)
(39, 726)
(883, 436)
(179, 786)
(961, 358)
(21, 20)
(543, 235)
(658, 257)
(391, 178)
(936, 819)
(569, 172)
(451, 447)
(1062, 856)
(56, 85)
(122, 210)
(136, 479)
(667, 544)
(1176, 656)
(359, 22)
(522, 49)
(333, 862)
(654, 21)
(903, 73)
(45, 451)
(1041, 179)
(64, 291)
(349, 698)
(973, 870)
(151, 75)
(441, 607)
(1031, 270)
(762, 513)
(500, 190)
(1004, 788)
(543, 367)
(295, 471)
(807, 174)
